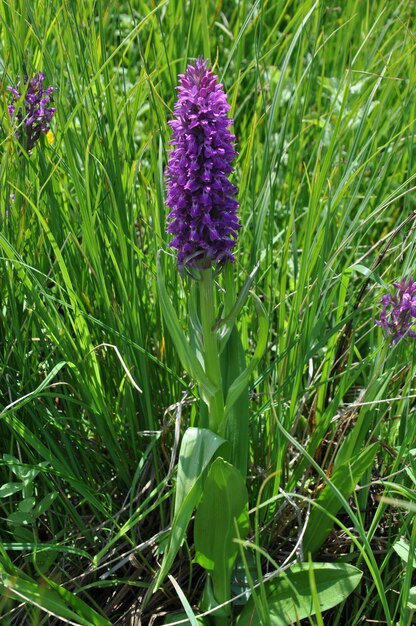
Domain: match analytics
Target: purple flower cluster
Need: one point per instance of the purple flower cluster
(398, 315)
(35, 114)
(203, 217)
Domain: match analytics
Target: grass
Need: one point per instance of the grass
(323, 97)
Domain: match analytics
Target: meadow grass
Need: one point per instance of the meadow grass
(93, 397)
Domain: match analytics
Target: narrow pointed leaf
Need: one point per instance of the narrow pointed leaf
(184, 350)
(225, 325)
(56, 601)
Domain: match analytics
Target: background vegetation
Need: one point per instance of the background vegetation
(323, 97)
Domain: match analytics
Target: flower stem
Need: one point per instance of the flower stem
(210, 345)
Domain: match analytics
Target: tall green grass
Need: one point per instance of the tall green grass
(323, 96)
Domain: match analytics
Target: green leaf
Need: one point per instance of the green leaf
(221, 518)
(27, 505)
(189, 614)
(32, 440)
(411, 602)
(199, 445)
(20, 517)
(244, 571)
(402, 548)
(51, 600)
(225, 325)
(367, 272)
(23, 472)
(84, 612)
(45, 503)
(184, 349)
(290, 598)
(23, 534)
(8, 489)
(241, 382)
(237, 425)
(344, 480)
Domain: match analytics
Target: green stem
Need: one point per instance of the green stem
(211, 355)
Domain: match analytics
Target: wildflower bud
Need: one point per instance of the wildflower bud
(203, 218)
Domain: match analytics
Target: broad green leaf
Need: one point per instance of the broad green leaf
(20, 517)
(244, 570)
(23, 534)
(45, 503)
(54, 601)
(8, 489)
(289, 596)
(411, 602)
(344, 479)
(221, 518)
(27, 505)
(402, 548)
(198, 447)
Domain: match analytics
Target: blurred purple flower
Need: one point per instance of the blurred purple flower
(203, 217)
(12, 197)
(34, 112)
(398, 314)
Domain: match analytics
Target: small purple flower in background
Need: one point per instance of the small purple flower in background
(398, 315)
(12, 197)
(34, 112)
(203, 217)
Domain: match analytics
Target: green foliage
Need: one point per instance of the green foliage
(221, 518)
(323, 97)
(28, 509)
(343, 482)
(183, 347)
(198, 448)
(237, 423)
(290, 596)
(52, 598)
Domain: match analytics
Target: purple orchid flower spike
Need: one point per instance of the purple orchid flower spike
(203, 218)
(398, 315)
(34, 113)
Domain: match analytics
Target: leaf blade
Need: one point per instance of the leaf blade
(290, 598)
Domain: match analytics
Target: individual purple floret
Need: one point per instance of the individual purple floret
(34, 112)
(203, 217)
(398, 315)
